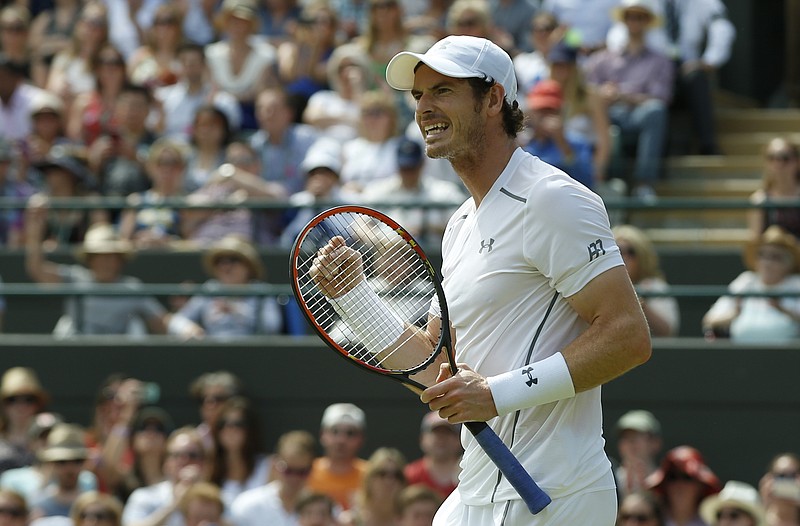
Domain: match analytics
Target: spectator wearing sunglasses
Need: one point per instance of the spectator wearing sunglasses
(22, 397)
(780, 180)
(780, 490)
(147, 444)
(94, 508)
(65, 454)
(212, 390)
(158, 504)
(240, 462)
(738, 504)
(773, 262)
(276, 502)
(682, 481)
(642, 263)
(640, 508)
(13, 508)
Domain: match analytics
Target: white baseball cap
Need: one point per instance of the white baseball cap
(460, 57)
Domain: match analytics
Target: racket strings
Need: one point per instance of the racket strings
(393, 271)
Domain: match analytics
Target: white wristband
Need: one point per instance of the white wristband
(374, 323)
(539, 383)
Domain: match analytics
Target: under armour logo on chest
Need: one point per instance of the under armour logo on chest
(486, 244)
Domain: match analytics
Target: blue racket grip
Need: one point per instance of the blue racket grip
(509, 466)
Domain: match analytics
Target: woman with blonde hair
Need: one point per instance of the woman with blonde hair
(780, 181)
(15, 508)
(94, 507)
(642, 263)
(377, 500)
(156, 64)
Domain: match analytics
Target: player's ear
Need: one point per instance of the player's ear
(494, 99)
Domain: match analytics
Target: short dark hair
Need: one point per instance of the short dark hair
(513, 117)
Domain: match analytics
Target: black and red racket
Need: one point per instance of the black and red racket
(386, 329)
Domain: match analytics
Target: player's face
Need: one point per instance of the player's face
(451, 120)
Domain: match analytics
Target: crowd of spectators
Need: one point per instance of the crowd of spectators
(136, 465)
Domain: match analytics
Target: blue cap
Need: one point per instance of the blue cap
(409, 153)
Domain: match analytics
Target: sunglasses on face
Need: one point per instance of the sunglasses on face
(70, 462)
(193, 456)
(227, 260)
(13, 28)
(290, 471)
(237, 424)
(214, 399)
(13, 512)
(389, 474)
(96, 515)
(627, 251)
(782, 157)
(773, 255)
(680, 476)
(639, 518)
(348, 432)
(730, 514)
(20, 399)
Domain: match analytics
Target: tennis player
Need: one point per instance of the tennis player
(543, 309)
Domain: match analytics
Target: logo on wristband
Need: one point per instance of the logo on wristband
(531, 380)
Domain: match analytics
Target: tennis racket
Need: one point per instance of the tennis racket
(382, 323)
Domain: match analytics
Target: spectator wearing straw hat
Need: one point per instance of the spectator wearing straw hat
(773, 262)
(66, 453)
(230, 262)
(738, 504)
(22, 398)
(103, 255)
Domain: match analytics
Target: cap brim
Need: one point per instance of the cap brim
(400, 71)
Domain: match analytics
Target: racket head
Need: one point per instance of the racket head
(396, 268)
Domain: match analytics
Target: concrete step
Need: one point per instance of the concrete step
(690, 219)
(730, 238)
(708, 166)
(777, 121)
(710, 188)
(751, 143)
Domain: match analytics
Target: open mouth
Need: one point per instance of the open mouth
(432, 130)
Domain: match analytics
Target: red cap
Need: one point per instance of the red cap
(684, 460)
(546, 94)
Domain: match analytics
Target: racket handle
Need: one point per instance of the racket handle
(509, 466)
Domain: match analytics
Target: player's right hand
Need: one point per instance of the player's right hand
(337, 268)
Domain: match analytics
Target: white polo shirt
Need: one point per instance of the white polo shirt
(538, 237)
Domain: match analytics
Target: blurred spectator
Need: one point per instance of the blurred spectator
(242, 64)
(640, 508)
(198, 21)
(231, 261)
(63, 176)
(71, 72)
(639, 446)
(127, 33)
(588, 21)
(22, 397)
(634, 84)
(234, 182)
(738, 503)
(408, 186)
(102, 257)
(118, 155)
(430, 21)
(585, 117)
(202, 505)
(239, 460)
(52, 31)
(335, 112)
(698, 36)
(773, 261)
(92, 113)
(385, 36)
(148, 445)
(12, 186)
(353, 17)
(315, 509)
(533, 66)
(65, 454)
(683, 480)
(159, 503)
(2, 307)
(29, 480)
(15, 506)
(373, 154)
(377, 498)
(439, 466)
(642, 263)
(548, 139)
(276, 20)
(278, 503)
(192, 91)
(209, 133)
(780, 490)
(416, 506)
(322, 166)
(156, 64)
(16, 96)
(48, 130)
(780, 180)
(474, 18)
(211, 391)
(282, 142)
(93, 508)
(340, 472)
(303, 59)
(149, 223)
(15, 22)
(512, 17)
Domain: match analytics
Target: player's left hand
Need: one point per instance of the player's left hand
(465, 397)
